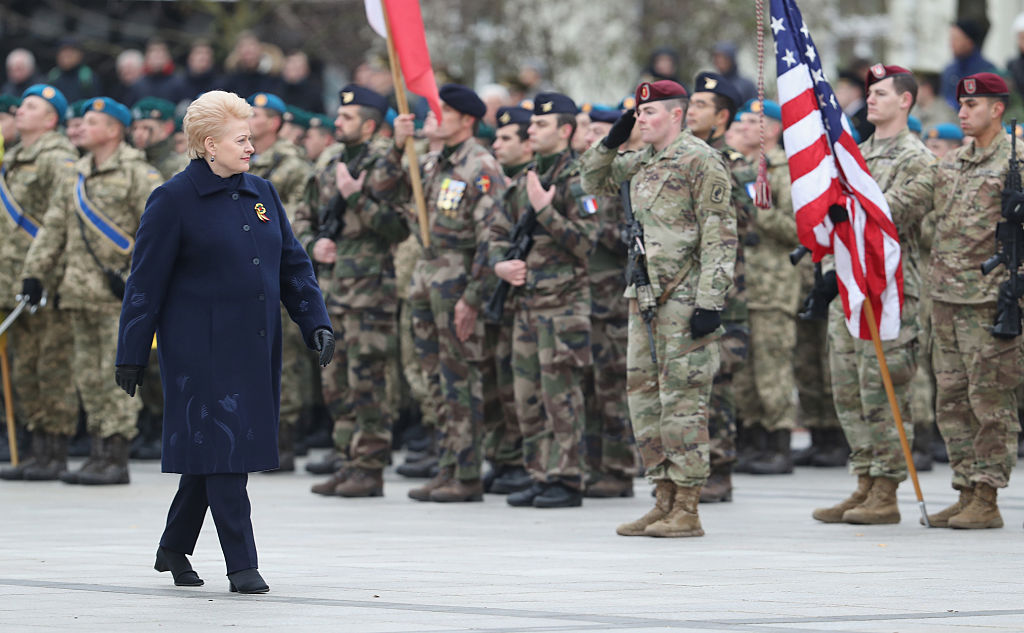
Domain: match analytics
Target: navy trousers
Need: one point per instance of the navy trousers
(225, 496)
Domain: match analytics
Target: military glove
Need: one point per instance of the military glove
(129, 377)
(32, 290)
(829, 287)
(837, 213)
(323, 342)
(704, 322)
(752, 239)
(621, 130)
(816, 304)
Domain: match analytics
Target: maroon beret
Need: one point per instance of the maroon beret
(982, 85)
(878, 72)
(659, 91)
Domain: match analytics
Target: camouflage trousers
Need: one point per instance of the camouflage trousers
(41, 346)
(862, 404)
(297, 375)
(764, 385)
(669, 402)
(609, 445)
(734, 346)
(503, 444)
(110, 410)
(355, 386)
(976, 407)
(922, 389)
(812, 375)
(550, 350)
(419, 349)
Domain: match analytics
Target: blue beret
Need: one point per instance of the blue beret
(553, 103)
(111, 108)
(53, 96)
(604, 115)
(353, 94)
(512, 115)
(713, 82)
(463, 100)
(914, 124)
(946, 132)
(268, 101)
(628, 102)
(772, 110)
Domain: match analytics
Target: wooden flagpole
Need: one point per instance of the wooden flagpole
(410, 148)
(889, 391)
(5, 367)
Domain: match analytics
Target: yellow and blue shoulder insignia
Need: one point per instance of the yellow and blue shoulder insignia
(483, 183)
(153, 174)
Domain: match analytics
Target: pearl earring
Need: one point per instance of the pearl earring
(211, 159)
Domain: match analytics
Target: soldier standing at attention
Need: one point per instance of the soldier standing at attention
(41, 344)
(712, 107)
(350, 238)
(903, 168)
(90, 224)
(551, 339)
(977, 373)
(680, 190)
(279, 161)
(153, 132)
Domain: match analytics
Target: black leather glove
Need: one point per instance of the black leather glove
(704, 322)
(323, 342)
(829, 287)
(838, 214)
(129, 377)
(816, 303)
(32, 289)
(752, 239)
(621, 130)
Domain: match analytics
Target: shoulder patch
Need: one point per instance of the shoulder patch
(483, 183)
(717, 193)
(153, 174)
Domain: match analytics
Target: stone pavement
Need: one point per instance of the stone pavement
(80, 559)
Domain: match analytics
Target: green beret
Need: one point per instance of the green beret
(9, 103)
(321, 121)
(153, 108)
(297, 116)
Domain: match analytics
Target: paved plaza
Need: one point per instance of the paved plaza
(80, 559)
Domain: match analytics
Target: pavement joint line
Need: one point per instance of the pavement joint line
(604, 622)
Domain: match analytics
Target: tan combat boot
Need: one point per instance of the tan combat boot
(941, 519)
(455, 490)
(982, 512)
(362, 482)
(441, 478)
(880, 507)
(835, 513)
(682, 519)
(663, 490)
(327, 488)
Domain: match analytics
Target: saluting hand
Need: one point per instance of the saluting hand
(539, 196)
(347, 185)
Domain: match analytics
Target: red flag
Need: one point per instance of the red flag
(410, 40)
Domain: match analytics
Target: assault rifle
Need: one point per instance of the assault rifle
(636, 267)
(1010, 248)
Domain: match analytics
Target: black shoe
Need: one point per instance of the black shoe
(776, 458)
(804, 456)
(491, 475)
(178, 565)
(750, 444)
(514, 479)
(418, 470)
(247, 581)
(558, 495)
(834, 452)
(922, 461)
(524, 498)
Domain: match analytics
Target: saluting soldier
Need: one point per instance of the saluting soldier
(41, 344)
(680, 189)
(90, 225)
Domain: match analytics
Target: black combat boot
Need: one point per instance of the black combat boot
(835, 452)
(91, 465)
(56, 463)
(750, 444)
(558, 495)
(332, 462)
(512, 479)
(777, 458)
(804, 456)
(40, 455)
(113, 467)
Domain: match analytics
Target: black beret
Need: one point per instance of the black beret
(553, 103)
(512, 115)
(353, 94)
(463, 99)
(605, 115)
(713, 82)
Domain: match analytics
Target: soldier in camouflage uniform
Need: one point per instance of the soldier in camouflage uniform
(680, 190)
(977, 372)
(551, 344)
(712, 107)
(319, 142)
(765, 385)
(41, 344)
(903, 168)
(88, 228)
(279, 161)
(609, 446)
(350, 238)
(462, 186)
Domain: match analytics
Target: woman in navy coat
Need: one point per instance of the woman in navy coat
(214, 255)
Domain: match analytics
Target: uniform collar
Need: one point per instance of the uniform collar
(206, 182)
(974, 154)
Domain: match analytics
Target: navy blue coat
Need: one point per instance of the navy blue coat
(207, 277)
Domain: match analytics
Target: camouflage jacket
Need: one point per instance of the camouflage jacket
(904, 169)
(743, 177)
(968, 203)
(607, 267)
(680, 196)
(556, 266)
(328, 155)
(118, 189)
(772, 282)
(32, 175)
(463, 188)
(291, 175)
(363, 275)
(167, 161)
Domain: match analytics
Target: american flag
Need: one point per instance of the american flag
(826, 168)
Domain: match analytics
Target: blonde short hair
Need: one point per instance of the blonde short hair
(208, 115)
